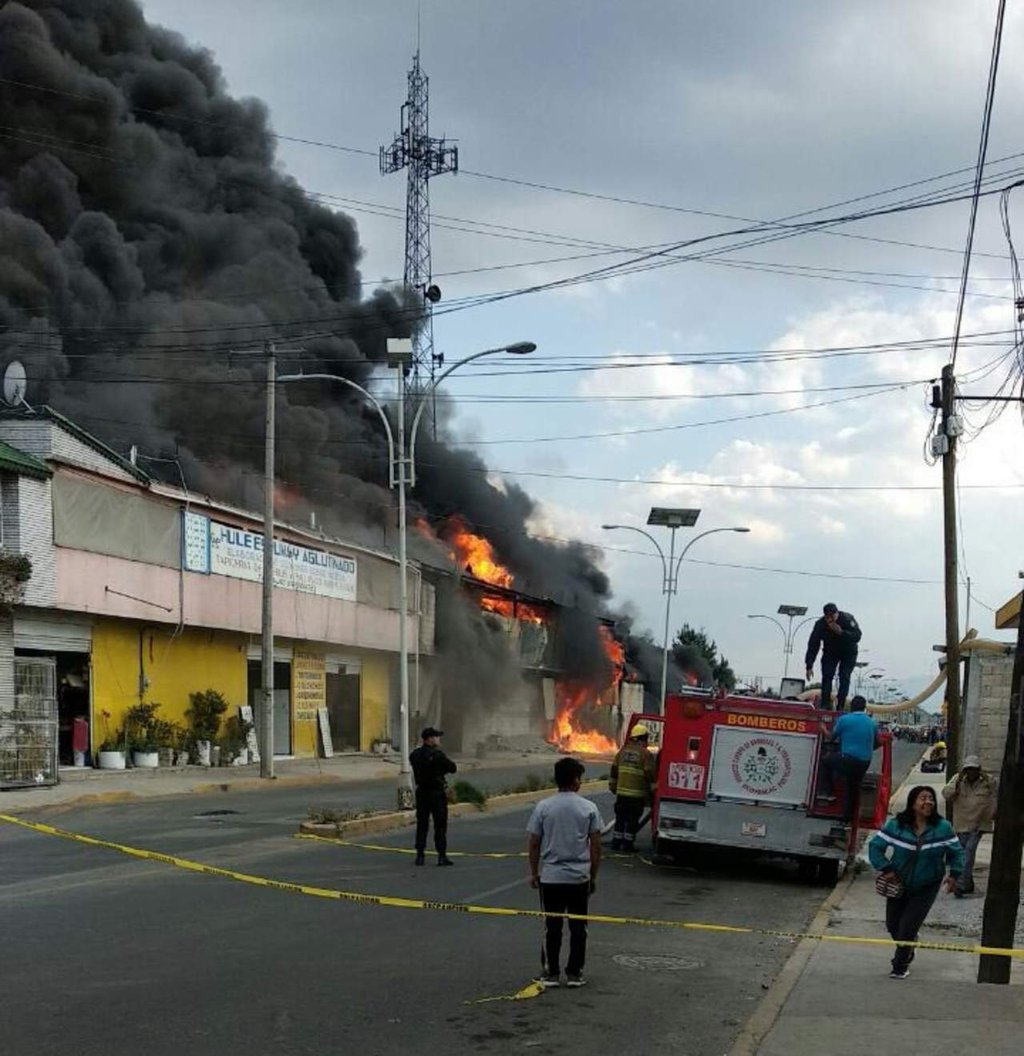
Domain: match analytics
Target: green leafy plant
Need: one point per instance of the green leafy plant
(143, 730)
(466, 792)
(236, 735)
(204, 714)
(15, 572)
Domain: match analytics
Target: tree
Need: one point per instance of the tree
(695, 652)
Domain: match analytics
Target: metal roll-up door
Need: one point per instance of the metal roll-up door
(53, 634)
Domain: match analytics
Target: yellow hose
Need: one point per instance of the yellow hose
(971, 643)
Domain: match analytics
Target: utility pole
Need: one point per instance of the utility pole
(945, 442)
(266, 711)
(999, 921)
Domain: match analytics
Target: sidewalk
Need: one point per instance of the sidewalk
(83, 785)
(838, 999)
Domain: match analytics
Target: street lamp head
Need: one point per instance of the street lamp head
(609, 527)
(671, 517)
(741, 529)
(521, 348)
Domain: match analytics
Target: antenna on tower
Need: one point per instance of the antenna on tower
(413, 149)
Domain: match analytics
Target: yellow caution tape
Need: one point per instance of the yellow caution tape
(533, 989)
(412, 850)
(489, 911)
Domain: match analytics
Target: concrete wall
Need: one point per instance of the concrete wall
(987, 707)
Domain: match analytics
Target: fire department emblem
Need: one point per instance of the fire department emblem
(761, 766)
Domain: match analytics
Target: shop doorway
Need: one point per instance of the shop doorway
(282, 701)
(72, 672)
(343, 709)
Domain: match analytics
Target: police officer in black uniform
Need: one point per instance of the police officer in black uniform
(836, 634)
(430, 766)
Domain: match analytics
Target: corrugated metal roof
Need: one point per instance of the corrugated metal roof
(19, 462)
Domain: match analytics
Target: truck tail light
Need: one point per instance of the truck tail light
(692, 749)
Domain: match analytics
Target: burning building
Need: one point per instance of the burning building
(137, 251)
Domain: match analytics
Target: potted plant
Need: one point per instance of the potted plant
(141, 731)
(204, 717)
(235, 742)
(110, 753)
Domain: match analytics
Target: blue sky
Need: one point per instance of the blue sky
(730, 108)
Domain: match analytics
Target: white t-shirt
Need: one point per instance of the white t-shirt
(564, 822)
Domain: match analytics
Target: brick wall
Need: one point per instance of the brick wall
(987, 707)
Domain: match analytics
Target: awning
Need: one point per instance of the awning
(1008, 615)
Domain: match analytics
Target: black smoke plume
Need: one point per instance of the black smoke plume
(146, 231)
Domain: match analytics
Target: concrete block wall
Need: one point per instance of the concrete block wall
(988, 708)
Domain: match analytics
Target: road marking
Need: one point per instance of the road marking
(394, 902)
(498, 890)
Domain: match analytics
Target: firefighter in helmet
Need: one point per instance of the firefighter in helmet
(632, 779)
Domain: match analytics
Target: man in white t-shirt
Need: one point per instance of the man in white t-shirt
(564, 852)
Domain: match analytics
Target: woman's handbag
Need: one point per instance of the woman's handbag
(889, 885)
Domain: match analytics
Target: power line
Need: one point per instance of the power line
(986, 123)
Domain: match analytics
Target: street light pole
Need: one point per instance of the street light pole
(670, 571)
(401, 475)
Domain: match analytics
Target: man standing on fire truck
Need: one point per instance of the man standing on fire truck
(836, 634)
(632, 779)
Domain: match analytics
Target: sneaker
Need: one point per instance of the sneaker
(574, 981)
(549, 980)
(420, 859)
(899, 973)
(444, 860)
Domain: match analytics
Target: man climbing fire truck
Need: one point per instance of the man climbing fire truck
(745, 772)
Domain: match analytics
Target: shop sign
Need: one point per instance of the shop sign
(222, 549)
(309, 685)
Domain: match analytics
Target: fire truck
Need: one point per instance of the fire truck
(744, 772)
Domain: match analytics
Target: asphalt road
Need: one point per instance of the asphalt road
(104, 954)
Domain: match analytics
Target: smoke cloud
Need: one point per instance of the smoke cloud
(146, 231)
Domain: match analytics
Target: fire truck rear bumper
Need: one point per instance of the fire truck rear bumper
(770, 830)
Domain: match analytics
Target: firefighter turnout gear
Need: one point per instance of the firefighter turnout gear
(633, 777)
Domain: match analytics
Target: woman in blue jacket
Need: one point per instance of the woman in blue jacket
(915, 846)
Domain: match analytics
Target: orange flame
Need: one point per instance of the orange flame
(569, 731)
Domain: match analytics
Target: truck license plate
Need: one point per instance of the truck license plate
(754, 828)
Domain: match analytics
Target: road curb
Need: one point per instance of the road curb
(405, 818)
(767, 1012)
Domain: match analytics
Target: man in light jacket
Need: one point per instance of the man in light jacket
(971, 797)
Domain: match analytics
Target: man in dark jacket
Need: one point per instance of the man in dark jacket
(836, 634)
(430, 766)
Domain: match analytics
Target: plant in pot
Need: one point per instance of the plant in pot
(164, 734)
(235, 742)
(142, 729)
(204, 718)
(110, 754)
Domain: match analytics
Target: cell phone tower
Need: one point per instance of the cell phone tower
(413, 149)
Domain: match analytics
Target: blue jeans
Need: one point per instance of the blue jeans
(969, 840)
(853, 771)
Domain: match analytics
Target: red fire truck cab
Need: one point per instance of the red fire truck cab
(736, 771)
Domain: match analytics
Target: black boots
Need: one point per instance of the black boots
(443, 859)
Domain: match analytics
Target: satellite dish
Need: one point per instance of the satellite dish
(15, 383)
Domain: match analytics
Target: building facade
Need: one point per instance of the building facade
(142, 593)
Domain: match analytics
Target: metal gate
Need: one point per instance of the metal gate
(28, 728)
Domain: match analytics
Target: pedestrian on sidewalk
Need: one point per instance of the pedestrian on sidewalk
(836, 634)
(915, 848)
(631, 779)
(564, 852)
(971, 798)
(430, 767)
(856, 735)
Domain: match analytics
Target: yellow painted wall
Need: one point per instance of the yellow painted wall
(374, 691)
(194, 661)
